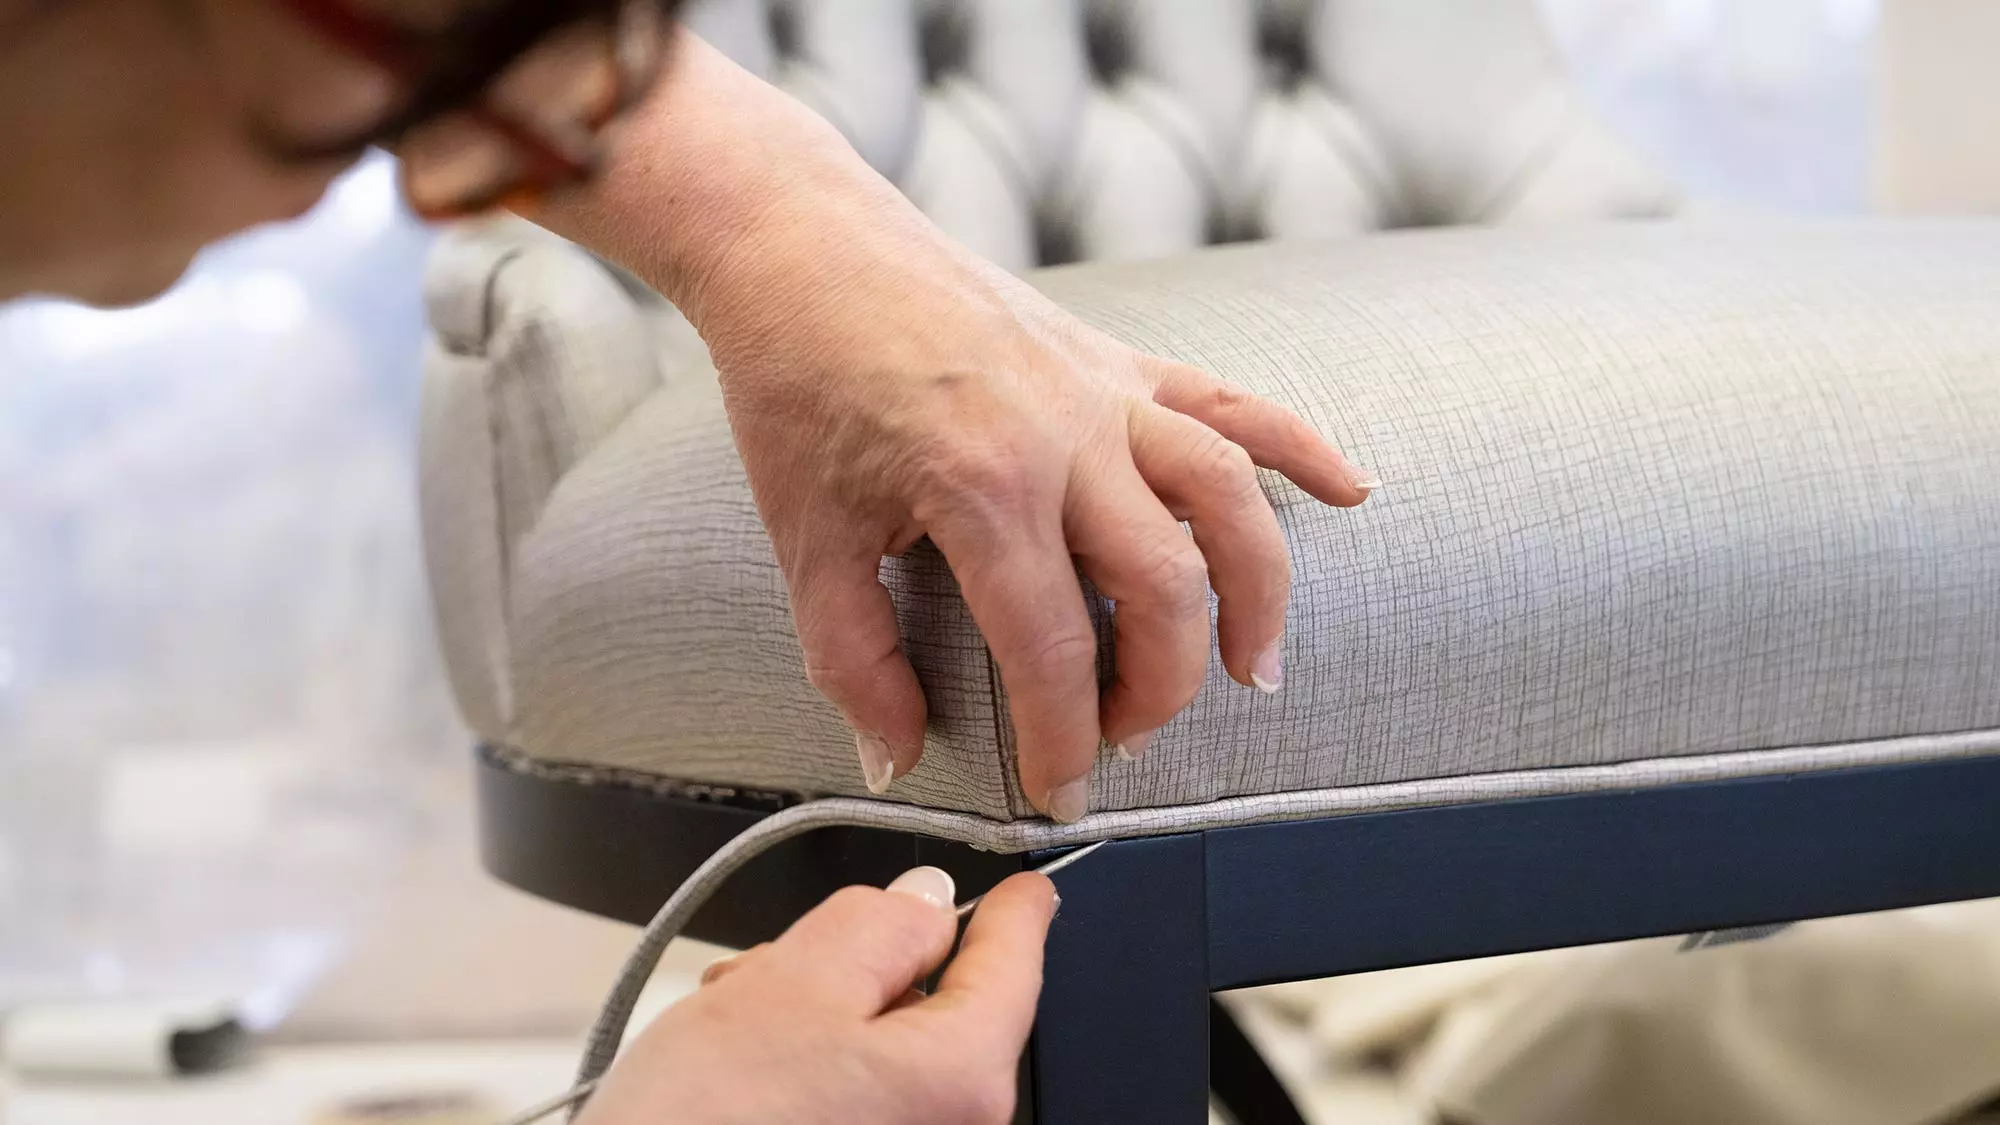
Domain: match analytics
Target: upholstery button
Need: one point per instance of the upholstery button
(1107, 43)
(1281, 41)
(784, 28)
(944, 40)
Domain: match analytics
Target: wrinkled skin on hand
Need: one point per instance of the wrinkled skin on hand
(908, 389)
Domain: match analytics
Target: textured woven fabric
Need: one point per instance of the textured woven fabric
(1653, 490)
(518, 385)
(1040, 131)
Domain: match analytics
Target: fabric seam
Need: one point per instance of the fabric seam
(1348, 800)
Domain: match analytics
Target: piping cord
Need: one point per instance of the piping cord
(833, 812)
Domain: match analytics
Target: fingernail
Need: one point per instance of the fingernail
(878, 767)
(717, 967)
(1363, 479)
(1069, 801)
(931, 884)
(1057, 908)
(1267, 669)
(1132, 747)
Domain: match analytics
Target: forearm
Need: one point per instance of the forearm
(716, 172)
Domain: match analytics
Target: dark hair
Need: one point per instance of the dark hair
(474, 51)
(457, 63)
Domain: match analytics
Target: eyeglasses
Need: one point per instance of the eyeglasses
(538, 125)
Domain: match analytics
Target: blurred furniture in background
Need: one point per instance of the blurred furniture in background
(1874, 1019)
(1675, 613)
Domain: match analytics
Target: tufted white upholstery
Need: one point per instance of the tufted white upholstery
(1045, 131)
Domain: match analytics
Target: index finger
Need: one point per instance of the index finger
(996, 980)
(1022, 588)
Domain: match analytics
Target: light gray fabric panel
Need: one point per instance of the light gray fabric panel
(1056, 130)
(563, 355)
(1651, 491)
(652, 630)
(535, 354)
(463, 557)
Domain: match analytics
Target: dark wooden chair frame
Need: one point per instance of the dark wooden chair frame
(1151, 928)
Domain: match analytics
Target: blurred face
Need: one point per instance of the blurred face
(136, 131)
(130, 129)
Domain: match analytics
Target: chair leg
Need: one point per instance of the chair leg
(1241, 1079)
(1122, 1033)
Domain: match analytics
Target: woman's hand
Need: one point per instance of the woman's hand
(824, 1025)
(885, 384)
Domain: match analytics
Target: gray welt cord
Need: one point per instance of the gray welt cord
(830, 812)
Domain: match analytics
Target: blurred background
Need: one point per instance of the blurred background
(228, 759)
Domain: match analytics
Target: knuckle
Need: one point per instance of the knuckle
(1178, 577)
(837, 681)
(1062, 649)
(1224, 467)
(1227, 397)
(1152, 702)
(734, 963)
(992, 483)
(985, 470)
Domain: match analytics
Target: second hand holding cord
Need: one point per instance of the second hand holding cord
(583, 1090)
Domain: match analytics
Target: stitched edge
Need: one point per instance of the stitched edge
(1306, 804)
(527, 765)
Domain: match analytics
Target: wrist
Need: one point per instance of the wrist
(723, 189)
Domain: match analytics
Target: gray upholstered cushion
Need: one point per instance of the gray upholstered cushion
(1652, 491)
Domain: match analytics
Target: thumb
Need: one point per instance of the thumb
(854, 656)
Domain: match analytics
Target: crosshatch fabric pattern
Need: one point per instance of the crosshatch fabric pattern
(1653, 491)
